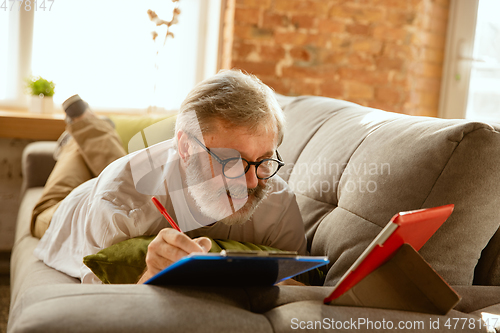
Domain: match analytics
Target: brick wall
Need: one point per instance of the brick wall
(386, 54)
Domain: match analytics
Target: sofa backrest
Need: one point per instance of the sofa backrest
(138, 132)
(353, 168)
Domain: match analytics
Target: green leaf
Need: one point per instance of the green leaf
(38, 85)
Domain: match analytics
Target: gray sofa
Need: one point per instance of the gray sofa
(352, 169)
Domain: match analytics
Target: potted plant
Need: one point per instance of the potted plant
(41, 92)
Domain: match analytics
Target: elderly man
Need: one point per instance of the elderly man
(216, 177)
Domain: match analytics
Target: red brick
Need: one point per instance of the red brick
(409, 109)
(432, 24)
(242, 50)
(382, 53)
(407, 52)
(427, 84)
(427, 70)
(290, 37)
(273, 20)
(261, 33)
(281, 86)
(388, 94)
(428, 39)
(318, 72)
(331, 88)
(371, 15)
(256, 68)
(242, 31)
(426, 111)
(438, 12)
(300, 54)
(338, 41)
(359, 29)
(304, 87)
(395, 4)
(398, 18)
(254, 3)
(443, 3)
(388, 33)
(368, 3)
(365, 76)
(301, 38)
(359, 90)
(390, 63)
(371, 46)
(305, 7)
(362, 14)
(432, 55)
(272, 52)
(318, 40)
(330, 25)
(402, 80)
(333, 57)
(376, 104)
(438, 27)
(303, 21)
(247, 15)
(426, 99)
(359, 101)
(361, 60)
(341, 12)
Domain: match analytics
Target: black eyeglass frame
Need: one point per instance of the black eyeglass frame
(226, 161)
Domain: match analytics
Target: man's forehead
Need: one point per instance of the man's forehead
(257, 143)
(226, 128)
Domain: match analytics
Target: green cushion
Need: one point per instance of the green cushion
(224, 244)
(124, 262)
(130, 126)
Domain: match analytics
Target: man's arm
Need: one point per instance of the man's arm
(168, 247)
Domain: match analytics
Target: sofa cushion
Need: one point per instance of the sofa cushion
(314, 316)
(148, 130)
(490, 316)
(134, 308)
(26, 270)
(37, 163)
(474, 298)
(353, 168)
(488, 269)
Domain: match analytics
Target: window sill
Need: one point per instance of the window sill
(21, 124)
(26, 125)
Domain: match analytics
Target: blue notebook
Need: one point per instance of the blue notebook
(236, 269)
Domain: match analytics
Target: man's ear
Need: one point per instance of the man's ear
(183, 145)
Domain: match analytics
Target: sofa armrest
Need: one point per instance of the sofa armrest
(37, 163)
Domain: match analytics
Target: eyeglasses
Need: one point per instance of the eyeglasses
(235, 167)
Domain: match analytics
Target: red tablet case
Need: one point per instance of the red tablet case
(413, 228)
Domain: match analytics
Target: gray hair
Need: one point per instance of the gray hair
(235, 98)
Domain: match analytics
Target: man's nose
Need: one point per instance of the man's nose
(251, 178)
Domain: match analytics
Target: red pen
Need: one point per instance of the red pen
(164, 212)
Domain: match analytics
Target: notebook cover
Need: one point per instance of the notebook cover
(414, 228)
(406, 282)
(219, 270)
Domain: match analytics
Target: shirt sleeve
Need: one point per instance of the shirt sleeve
(106, 224)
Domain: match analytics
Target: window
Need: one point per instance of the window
(104, 51)
(484, 87)
(4, 41)
(471, 76)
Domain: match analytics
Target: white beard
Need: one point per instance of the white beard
(212, 197)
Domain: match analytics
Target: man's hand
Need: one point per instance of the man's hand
(168, 247)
